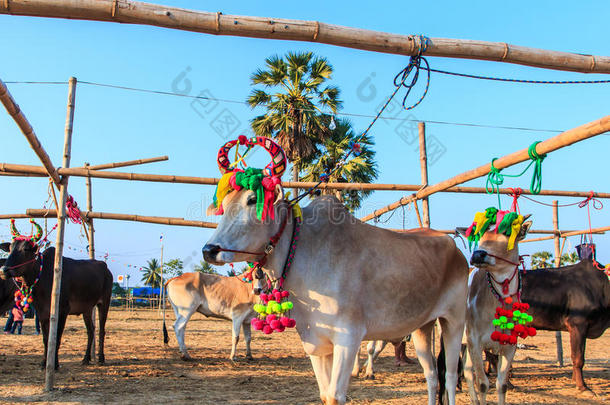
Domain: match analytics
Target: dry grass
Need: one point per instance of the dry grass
(140, 370)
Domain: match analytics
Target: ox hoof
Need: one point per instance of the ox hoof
(369, 377)
(85, 362)
(186, 357)
(249, 358)
(586, 392)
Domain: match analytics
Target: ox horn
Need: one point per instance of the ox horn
(36, 237)
(525, 217)
(14, 232)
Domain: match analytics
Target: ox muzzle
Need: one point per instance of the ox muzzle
(3, 273)
(210, 253)
(480, 258)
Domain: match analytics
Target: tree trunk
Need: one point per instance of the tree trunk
(295, 177)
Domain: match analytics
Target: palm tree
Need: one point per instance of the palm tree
(152, 273)
(542, 260)
(358, 169)
(294, 94)
(205, 267)
(569, 258)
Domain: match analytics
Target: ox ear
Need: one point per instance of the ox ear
(5, 247)
(461, 230)
(279, 193)
(212, 210)
(524, 230)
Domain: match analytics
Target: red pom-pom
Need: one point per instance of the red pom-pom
(275, 324)
(242, 139)
(280, 328)
(508, 300)
(531, 331)
(270, 318)
(285, 294)
(258, 325)
(509, 314)
(285, 321)
(267, 330)
(264, 297)
(519, 328)
(525, 306)
(291, 323)
(495, 336)
(499, 310)
(277, 296)
(275, 291)
(512, 340)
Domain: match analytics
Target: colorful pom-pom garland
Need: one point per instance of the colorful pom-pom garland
(273, 313)
(510, 322)
(494, 220)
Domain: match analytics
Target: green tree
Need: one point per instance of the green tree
(117, 290)
(205, 267)
(294, 93)
(358, 169)
(569, 258)
(542, 260)
(173, 268)
(152, 273)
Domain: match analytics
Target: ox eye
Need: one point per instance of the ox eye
(252, 200)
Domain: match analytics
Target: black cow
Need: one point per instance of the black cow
(7, 292)
(85, 284)
(573, 298)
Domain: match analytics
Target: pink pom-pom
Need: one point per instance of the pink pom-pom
(258, 325)
(270, 318)
(291, 323)
(264, 297)
(277, 296)
(285, 321)
(275, 290)
(275, 324)
(267, 330)
(280, 328)
(285, 294)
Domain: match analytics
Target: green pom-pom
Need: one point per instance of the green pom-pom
(271, 303)
(288, 304)
(269, 309)
(517, 313)
(496, 322)
(503, 326)
(503, 319)
(524, 315)
(277, 308)
(259, 308)
(510, 325)
(530, 318)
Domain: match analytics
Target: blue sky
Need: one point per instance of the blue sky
(114, 125)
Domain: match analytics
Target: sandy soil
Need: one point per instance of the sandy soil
(139, 370)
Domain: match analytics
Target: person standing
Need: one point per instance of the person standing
(17, 319)
(9, 322)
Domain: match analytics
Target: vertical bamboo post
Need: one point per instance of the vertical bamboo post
(557, 264)
(91, 238)
(423, 163)
(59, 244)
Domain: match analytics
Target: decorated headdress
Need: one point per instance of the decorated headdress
(34, 238)
(261, 181)
(494, 220)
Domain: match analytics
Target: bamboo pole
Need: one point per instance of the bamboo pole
(91, 250)
(423, 163)
(59, 244)
(41, 213)
(571, 233)
(134, 12)
(10, 169)
(558, 342)
(128, 163)
(24, 125)
(562, 140)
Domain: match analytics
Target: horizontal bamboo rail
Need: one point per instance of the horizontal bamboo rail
(43, 213)
(565, 234)
(564, 139)
(128, 163)
(14, 169)
(24, 125)
(134, 12)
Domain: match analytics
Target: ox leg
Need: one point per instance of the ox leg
(374, 349)
(422, 340)
(505, 359)
(44, 324)
(248, 339)
(577, 344)
(234, 337)
(469, 377)
(480, 381)
(356, 368)
(87, 317)
(452, 332)
(344, 355)
(182, 317)
(102, 311)
(322, 368)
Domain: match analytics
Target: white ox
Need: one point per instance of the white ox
(214, 296)
(351, 281)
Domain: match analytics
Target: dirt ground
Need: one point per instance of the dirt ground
(139, 370)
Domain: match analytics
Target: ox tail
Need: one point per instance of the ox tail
(165, 334)
(441, 369)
